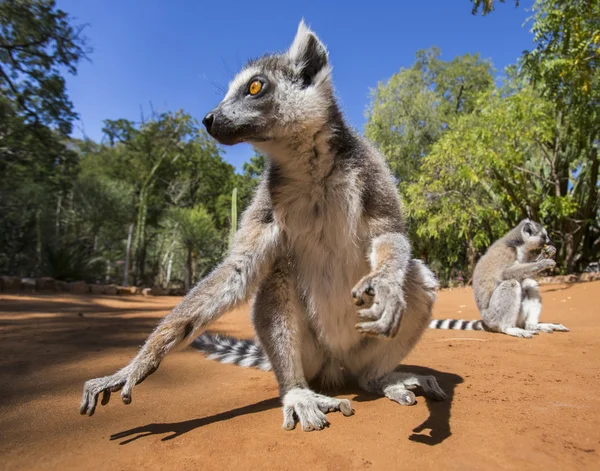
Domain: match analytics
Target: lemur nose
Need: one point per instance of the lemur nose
(208, 121)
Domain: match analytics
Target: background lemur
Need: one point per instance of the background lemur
(324, 233)
(506, 294)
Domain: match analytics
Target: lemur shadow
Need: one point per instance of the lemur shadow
(560, 288)
(179, 428)
(438, 422)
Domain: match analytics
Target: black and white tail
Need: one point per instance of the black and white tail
(456, 324)
(246, 353)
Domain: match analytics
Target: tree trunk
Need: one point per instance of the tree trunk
(590, 210)
(140, 234)
(470, 258)
(107, 275)
(169, 267)
(127, 256)
(38, 246)
(57, 221)
(189, 267)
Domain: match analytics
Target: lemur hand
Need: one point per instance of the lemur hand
(549, 251)
(124, 379)
(383, 301)
(546, 264)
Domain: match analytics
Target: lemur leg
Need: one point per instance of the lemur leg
(503, 311)
(531, 308)
(379, 357)
(280, 323)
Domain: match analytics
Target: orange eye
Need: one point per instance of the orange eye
(255, 87)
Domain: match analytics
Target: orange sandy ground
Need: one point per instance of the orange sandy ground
(514, 403)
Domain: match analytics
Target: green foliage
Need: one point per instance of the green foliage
(471, 158)
(565, 68)
(565, 64)
(410, 112)
(37, 42)
(529, 148)
(198, 239)
(482, 177)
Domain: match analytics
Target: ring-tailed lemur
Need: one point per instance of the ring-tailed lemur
(323, 234)
(506, 294)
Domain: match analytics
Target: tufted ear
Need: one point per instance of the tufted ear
(528, 228)
(308, 52)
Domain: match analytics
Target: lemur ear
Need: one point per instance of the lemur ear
(308, 52)
(528, 228)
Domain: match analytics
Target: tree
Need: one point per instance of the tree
(416, 106)
(144, 158)
(38, 42)
(482, 177)
(565, 67)
(199, 239)
(37, 168)
(255, 167)
(413, 110)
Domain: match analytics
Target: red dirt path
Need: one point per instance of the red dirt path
(514, 403)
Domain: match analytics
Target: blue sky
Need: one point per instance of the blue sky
(169, 53)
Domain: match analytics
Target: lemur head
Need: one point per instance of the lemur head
(276, 97)
(533, 234)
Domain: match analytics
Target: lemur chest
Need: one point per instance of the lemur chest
(327, 245)
(323, 228)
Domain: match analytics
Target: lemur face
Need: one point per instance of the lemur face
(534, 234)
(276, 95)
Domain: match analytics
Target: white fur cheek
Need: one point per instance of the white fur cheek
(305, 107)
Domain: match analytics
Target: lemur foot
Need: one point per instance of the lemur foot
(522, 333)
(548, 327)
(309, 408)
(396, 386)
(398, 393)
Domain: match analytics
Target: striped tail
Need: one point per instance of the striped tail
(245, 353)
(456, 324)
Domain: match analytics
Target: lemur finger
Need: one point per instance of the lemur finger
(364, 292)
(93, 403)
(346, 407)
(90, 397)
(126, 392)
(84, 401)
(105, 397)
(386, 326)
(289, 422)
(371, 314)
(311, 418)
(371, 328)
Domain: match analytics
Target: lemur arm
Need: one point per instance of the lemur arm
(230, 284)
(383, 288)
(519, 271)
